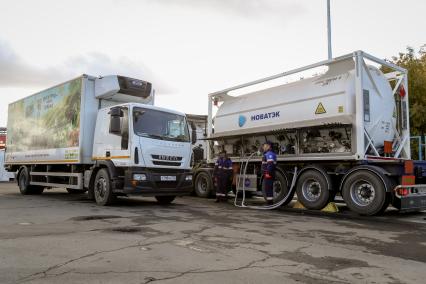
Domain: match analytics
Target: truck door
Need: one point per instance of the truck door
(112, 136)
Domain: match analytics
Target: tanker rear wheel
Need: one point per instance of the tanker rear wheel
(313, 189)
(364, 193)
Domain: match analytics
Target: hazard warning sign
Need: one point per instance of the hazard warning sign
(320, 109)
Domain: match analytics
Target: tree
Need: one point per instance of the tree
(415, 63)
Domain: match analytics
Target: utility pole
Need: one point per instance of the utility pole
(330, 55)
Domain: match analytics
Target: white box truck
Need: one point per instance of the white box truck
(344, 131)
(101, 134)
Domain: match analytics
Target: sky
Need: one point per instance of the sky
(189, 48)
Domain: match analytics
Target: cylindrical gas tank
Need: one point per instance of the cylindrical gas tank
(320, 100)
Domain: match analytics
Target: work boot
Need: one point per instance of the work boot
(270, 202)
(217, 200)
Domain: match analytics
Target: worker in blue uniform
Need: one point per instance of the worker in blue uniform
(269, 162)
(222, 173)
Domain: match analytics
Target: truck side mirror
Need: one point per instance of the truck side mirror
(115, 121)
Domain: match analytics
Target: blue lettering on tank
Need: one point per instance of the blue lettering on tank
(263, 116)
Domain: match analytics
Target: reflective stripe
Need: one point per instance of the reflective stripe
(220, 194)
(271, 160)
(229, 168)
(269, 198)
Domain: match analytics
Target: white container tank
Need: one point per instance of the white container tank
(320, 100)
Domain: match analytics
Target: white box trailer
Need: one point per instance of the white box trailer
(101, 134)
(344, 131)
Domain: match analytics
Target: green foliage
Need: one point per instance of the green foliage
(415, 63)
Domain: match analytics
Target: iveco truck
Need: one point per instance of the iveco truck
(102, 135)
(345, 130)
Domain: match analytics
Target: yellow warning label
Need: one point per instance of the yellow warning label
(340, 109)
(320, 109)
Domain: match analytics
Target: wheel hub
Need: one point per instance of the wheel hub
(202, 185)
(311, 190)
(101, 187)
(277, 188)
(363, 193)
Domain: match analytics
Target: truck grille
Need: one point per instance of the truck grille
(161, 163)
(167, 158)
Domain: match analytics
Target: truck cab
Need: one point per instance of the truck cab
(149, 146)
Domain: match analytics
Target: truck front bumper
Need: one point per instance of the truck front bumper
(157, 182)
(415, 200)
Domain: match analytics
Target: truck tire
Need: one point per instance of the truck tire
(313, 189)
(364, 193)
(203, 186)
(165, 199)
(24, 184)
(281, 188)
(76, 191)
(103, 188)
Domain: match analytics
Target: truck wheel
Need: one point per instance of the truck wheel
(313, 189)
(203, 185)
(76, 191)
(364, 193)
(24, 184)
(165, 199)
(103, 189)
(281, 189)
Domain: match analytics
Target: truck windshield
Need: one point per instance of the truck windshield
(160, 125)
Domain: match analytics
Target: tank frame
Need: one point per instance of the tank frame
(362, 146)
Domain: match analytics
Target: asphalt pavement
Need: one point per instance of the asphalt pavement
(62, 238)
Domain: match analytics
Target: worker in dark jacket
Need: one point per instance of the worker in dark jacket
(269, 162)
(222, 173)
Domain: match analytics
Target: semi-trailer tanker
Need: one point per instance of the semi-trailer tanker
(101, 134)
(344, 131)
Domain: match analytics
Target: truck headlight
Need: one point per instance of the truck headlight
(188, 177)
(139, 177)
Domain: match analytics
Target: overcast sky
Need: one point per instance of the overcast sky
(189, 48)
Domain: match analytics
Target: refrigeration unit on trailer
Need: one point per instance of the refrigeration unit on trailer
(345, 131)
(101, 134)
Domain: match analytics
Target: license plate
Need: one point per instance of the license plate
(168, 178)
